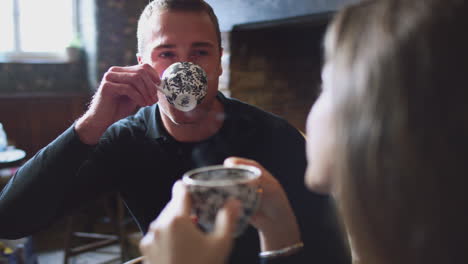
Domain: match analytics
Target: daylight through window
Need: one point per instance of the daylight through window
(32, 27)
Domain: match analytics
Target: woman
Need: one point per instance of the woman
(391, 126)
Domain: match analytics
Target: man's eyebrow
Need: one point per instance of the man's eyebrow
(164, 46)
(196, 45)
(202, 44)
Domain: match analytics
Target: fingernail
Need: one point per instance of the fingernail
(229, 162)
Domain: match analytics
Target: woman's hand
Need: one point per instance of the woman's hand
(173, 238)
(274, 219)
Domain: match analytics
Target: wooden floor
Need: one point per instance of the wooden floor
(48, 245)
(107, 255)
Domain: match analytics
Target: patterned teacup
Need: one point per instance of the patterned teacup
(210, 187)
(185, 85)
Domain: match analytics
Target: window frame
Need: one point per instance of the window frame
(19, 56)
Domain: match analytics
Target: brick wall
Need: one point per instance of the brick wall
(277, 67)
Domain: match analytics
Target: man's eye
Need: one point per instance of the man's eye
(167, 54)
(201, 53)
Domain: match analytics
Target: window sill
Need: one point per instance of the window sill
(37, 57)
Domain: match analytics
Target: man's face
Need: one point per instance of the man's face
(175, 36)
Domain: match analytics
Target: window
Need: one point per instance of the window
(36, 30)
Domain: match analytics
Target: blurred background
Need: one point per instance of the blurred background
(53, 54)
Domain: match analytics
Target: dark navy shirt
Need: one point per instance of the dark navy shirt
(139, 159)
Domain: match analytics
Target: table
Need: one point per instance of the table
(11, 157)
(20, 251)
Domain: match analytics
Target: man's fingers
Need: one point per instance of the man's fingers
(143, 77)
(150, 86)
(134, 68)
(153, 75)
(140, 84)
(135, 80)
(121, 89)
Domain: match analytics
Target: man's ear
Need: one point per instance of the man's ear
(220, 68)
(139, 58)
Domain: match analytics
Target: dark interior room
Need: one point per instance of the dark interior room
(272, 59)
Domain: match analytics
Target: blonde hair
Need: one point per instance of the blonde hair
(399, 91)
(156, 6)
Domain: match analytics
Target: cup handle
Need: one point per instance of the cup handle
(160, 87)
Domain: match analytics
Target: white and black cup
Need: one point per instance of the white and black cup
(210, 187)
(185, 85)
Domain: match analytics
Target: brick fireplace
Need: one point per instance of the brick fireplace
(276, 64)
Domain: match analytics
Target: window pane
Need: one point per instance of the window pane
(46, 25)
(6, 25)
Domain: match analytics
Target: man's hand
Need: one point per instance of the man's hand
(274, 219)
(173, 238)
(122, 90)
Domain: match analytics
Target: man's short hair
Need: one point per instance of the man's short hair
(174, 5)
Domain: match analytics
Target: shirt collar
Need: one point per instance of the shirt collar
(159, 132)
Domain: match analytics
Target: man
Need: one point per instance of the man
(142, 155)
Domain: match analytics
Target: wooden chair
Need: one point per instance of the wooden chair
(138, 260)
(115, 216)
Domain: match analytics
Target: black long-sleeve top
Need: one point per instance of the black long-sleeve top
(139, 159)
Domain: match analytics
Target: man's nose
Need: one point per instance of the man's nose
(188, 58)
